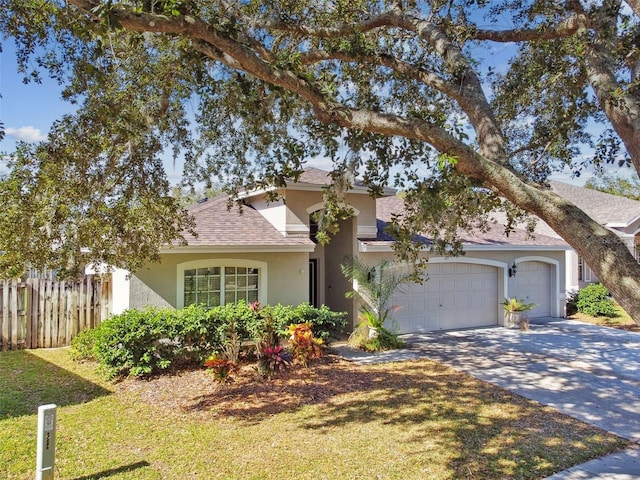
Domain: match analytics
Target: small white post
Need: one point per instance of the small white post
(46, 450)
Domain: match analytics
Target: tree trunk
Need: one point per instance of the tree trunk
(605, 253)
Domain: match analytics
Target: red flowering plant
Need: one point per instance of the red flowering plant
(221, 367)
(302, 343)
(273, 359)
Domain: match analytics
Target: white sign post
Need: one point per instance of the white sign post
(46, 450)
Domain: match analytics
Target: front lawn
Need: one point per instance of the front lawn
(410, 420)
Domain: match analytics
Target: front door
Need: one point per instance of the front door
(313, 282)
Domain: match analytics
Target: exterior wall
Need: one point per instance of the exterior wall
(120, 287)
(571, 259)
(302, 203)
(287, 278)
(336, 284)
(275, 213)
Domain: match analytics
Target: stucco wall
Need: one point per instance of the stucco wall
(299, 201)
(287, 278)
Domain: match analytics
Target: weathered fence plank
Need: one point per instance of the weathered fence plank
(49, 313)
(5, 317)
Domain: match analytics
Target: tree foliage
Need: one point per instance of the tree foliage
(402, 91)
(616, 185)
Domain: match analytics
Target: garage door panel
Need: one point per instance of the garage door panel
(448, 301)
(457, 295)
(533, 284)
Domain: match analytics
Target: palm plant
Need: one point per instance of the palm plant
(374, 287)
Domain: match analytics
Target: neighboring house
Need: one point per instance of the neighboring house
(267, 253)
(619, 214)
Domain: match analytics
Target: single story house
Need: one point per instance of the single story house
(268, 253)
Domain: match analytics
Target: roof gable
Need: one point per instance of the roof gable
(216, 225)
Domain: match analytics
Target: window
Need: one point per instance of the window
(215, 286)
(580, 268)
(313, 228)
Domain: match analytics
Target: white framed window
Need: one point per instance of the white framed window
(580, 268)
(218, 282)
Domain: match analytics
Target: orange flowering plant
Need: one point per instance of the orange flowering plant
(303, 345)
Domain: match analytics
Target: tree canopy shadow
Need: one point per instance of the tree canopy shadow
(115, 471)
(28, 381)
(492, 432)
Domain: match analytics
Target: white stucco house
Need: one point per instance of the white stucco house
(268, 253)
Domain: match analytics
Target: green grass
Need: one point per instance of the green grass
(410, 420)
(620, 320)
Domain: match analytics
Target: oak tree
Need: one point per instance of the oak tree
(250, 90)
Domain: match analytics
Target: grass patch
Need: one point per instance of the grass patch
(620, 320)
(413, 419)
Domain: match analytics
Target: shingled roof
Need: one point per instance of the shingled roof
(218, 226)
(604, 208)
(495, 236)
(315, 176)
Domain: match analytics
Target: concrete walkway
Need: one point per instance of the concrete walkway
(588, 372)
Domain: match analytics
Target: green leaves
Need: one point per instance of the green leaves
(63, 212)
(375, 286)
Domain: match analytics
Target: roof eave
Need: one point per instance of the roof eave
(387, 246)
(237, 249)
(311, 187)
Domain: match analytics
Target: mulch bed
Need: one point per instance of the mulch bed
(195, 392)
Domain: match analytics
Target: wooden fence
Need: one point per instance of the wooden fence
(41, 313)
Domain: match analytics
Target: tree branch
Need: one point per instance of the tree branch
(575, 23)
(403, 68)
(620, 106)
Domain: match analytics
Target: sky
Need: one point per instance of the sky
(29, 110)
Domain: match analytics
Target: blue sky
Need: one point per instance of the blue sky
(29, 110)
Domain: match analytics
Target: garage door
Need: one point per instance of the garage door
(457, 295)
(533, 283)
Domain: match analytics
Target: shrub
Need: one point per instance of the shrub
(282, 315)
(195, 333)
(134, 342)
(384, 340)
(235, 316)
(594, 300)
(273, 359)
(221, 367)
(141, 342)
(325, 324)
(82, 345)
(572, 302)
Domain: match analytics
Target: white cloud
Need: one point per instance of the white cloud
(26, 134)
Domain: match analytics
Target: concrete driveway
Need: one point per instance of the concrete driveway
(588, 372)
(585, 371)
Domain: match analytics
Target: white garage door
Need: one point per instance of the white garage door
(457, 295)
(533, 284)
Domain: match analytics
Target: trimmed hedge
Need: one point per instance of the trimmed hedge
(142, 342)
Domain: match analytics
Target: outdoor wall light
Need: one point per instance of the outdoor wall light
(513, 269)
